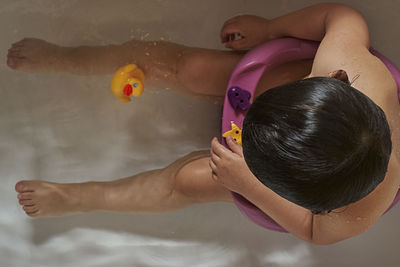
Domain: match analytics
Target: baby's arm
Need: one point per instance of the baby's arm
(310, 23)
(230, 170)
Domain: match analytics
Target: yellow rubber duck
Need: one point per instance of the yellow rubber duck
(235, 133)
(128, 80)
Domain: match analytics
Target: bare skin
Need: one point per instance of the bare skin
(39, 198)
(193, 178)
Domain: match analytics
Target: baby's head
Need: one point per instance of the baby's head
(318, 142)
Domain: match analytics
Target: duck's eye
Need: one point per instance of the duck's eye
(135, 85)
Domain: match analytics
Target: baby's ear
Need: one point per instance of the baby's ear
(340, 75)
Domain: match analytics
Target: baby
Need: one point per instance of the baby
(312, 142)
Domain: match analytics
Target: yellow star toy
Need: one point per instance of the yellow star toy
(235, 133)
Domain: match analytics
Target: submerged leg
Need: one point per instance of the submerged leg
(186, 181)
(189, 70)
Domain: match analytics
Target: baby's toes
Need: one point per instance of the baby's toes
(26, 202)
(25, 196)
(13, 53)
(30, 209)
(15, 62)
(14, 49)
(18, 44)
(33, 214)
(24, 186)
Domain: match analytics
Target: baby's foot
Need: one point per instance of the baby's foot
(35, 55)
(47, 199)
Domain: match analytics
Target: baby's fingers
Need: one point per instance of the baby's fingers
(237, 44)
(215, 159)
(230, 21)
(235, 147)
(219, 150)
(212, 166)
(229, 31)
(213, 170)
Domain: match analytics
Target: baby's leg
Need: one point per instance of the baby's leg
(189, 70)
(186, 181)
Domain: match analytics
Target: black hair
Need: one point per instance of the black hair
(318, 142)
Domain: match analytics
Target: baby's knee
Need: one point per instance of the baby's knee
(194, 181)
(188, 180)
(190, 69)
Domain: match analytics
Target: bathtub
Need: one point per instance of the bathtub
(68, 128)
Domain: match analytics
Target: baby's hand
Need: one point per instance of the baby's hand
(252, 29)
(229, 167)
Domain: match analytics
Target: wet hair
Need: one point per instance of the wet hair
(318, 142)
